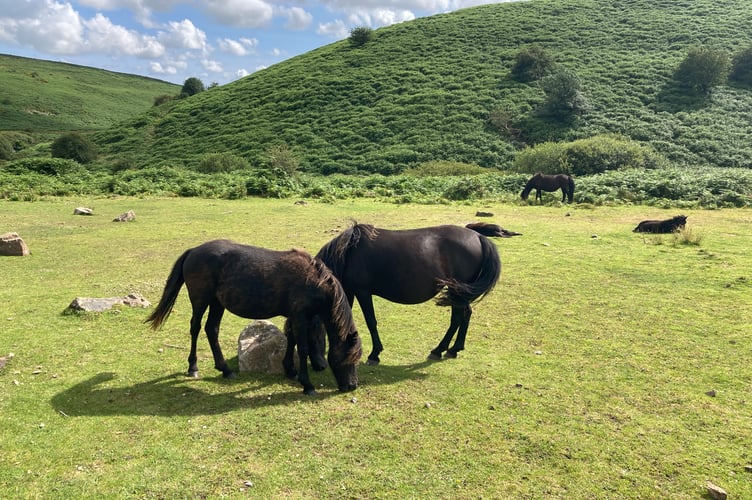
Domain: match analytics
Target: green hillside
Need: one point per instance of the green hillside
(424, 90)
(45, 96)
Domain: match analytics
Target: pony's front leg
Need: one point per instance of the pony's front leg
(366, 305)
(287, 362)
(300, 334)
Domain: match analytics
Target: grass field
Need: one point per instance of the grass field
(605, 364)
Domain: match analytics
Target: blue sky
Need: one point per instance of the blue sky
(214, 40)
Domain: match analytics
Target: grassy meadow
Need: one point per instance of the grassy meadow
(605, 364)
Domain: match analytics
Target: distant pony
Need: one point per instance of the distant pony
(544, 182)
(661, 226)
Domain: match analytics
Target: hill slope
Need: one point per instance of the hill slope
(45, 96)
(423, 90)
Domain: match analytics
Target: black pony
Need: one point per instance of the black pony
(661, 226)
(257, 283)
(544, 182)
(413, 266)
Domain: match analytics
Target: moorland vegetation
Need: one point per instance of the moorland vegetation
(644, 103)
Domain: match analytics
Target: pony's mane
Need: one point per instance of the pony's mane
(334, 253)
(341, 313)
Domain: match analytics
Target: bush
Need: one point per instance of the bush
(161, 99)
(564, 98)
(213, 163)
(44, 166)
(74, 146)
(587, 156)
(702, 69)
(532, 63)
(192, 86)
(741, 67)
(360, 35)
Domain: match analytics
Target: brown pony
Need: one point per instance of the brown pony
(543, 182)
(257, 283)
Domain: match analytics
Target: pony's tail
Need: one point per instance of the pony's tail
(571, 188)
(169, 295)
(457, 293)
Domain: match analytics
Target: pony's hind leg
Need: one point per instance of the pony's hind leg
(366, 305)
(198, 313)
(459, 344)
(212, 333)
(454, 324)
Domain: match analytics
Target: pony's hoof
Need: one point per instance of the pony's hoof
(450, 355)
(310, 392)
(434, 357)
(373, 362)
(292, 375)
(229, 375)
(191, 374)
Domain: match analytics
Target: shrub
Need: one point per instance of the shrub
(281, 157)
(161, 99)
(702, 69)
(532, 63)
(192, 86)
(564, 98)
(74, 146)
(741, 67)
(448, 168)
(360, 35)
(587, 156)
(45, 166)
(213, 163)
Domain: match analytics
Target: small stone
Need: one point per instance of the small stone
(538, 353)
(518, 385)
(428, 405)
(594, 236)
(748, 468)
(716, 492)
(711, 393)
(546, 244)
(354, 400)
(484, 214)
(41, 426)
(83, 211)
(248, 484)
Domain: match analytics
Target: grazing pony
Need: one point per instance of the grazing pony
(544, 182)
(412, 266)
(661, 226)
(257, 283)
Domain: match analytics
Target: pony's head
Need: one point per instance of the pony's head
(344, 342)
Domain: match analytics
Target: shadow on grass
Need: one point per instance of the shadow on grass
(176, 394)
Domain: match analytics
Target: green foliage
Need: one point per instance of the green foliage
(281, 157)
(564, 98)
(161, 99)
(41, 96)
(74, 146)
(441, 168)
(702, 69)
(360, 35)
(44, 166)
(587, 156)
(532, 63)
(13, 142)
(213, 163)
(192, 86)
(741, 67)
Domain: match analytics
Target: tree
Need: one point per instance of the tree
(74, 146)
(360, 35)
(741, 67)
(532, 63)
(702, 69)
(192, 86)
(563, 95)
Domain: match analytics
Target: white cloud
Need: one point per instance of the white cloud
(241, 47)
(183, 35)
(50, 27)
(210, 65)
(105, 37)
(241, 73)
(297, 18)
(241, 13)
(335, 29)
(157, 68)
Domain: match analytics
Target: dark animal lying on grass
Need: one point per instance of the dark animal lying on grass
(493, 230)
(257, 283)
(661, 226)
